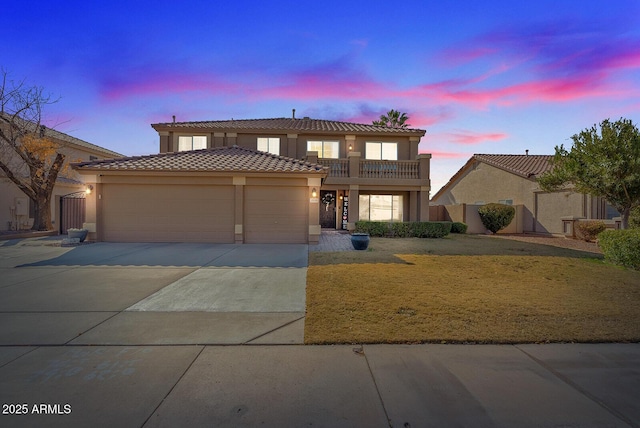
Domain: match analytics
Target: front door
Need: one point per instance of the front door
(327, 209)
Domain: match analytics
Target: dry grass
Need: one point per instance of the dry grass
(542, 294)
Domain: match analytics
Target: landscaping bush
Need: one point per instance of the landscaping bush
(431, 229)
(457, 227)
(496, 217)
(621, 247)
(424, 229)
(401, 230)
(373, 228)
(589, 230)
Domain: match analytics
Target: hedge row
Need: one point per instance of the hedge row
(621, 247)
(458, 227)
(417, 229)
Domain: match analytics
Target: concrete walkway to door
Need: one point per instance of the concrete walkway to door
(124, 294)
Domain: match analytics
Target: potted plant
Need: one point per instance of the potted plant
(80, 234)
(360, 241)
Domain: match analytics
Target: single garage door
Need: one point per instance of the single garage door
(276, 215)
(168, 213)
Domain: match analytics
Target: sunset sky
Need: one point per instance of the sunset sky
(479, 76)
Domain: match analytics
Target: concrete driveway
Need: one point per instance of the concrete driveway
(123, 294)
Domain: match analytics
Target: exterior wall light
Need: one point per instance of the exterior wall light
(88, 189)
(314, 193)
(350, 147)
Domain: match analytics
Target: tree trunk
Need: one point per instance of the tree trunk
(625, 218)
(42, 216)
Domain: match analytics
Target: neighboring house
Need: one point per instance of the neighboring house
(17, 210)
(261, 180)
(512, 180)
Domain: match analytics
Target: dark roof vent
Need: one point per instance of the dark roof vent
(293, 113)
(526, 152)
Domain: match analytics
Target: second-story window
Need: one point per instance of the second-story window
(191, 142)
(325, 149)
(269, 145)
(381, 151)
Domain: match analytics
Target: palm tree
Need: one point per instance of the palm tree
(393, 119)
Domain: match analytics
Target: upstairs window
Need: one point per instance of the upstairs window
(325, 149)
(192, 142)
(381, 151)
(269, 145)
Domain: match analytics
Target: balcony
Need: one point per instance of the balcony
(355, 170)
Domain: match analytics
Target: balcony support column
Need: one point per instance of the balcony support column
(354, 164)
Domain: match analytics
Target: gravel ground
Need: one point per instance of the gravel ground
(573, 244)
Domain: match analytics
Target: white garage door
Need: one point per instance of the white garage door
(168, 213)
(276, 215)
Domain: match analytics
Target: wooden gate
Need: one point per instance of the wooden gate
(72, 211)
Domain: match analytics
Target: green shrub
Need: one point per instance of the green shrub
(425, 229)
(496, 217)
(458, 227)
(401, 230)
(621, 247)
(634, 218)
(373, 228)
(431, 229)
(589, 230)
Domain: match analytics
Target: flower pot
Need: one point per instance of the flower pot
(360, 241)
(81, 234)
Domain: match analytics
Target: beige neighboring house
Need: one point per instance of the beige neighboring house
(259, 181)
(512, 180)
(17, 210)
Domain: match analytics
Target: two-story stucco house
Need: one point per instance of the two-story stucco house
(261, 180)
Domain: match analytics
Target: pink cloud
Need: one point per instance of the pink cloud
(470, 137)
(436, 154)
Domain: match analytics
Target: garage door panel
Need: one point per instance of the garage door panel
(168, 213)
(276, 214)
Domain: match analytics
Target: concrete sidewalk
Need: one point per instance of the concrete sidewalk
(569, 385)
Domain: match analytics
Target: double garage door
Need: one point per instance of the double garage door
(201, 213)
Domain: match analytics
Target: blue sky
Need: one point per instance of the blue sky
(480, 77)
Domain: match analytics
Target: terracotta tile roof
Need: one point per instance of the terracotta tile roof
(287, 124)
(57, 135)
(527, 166)
(523, 165)
(219, 159)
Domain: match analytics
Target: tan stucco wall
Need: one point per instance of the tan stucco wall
(291, 145)
(485, 183)
(551, 207)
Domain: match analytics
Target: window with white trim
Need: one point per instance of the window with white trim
(325, 149)
(191, 142)
(269, 145)
(378, 150)
(380, 207)
(506, 201)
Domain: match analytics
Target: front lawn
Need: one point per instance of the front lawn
(468, 289)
